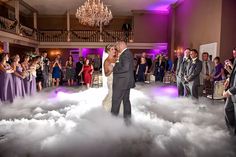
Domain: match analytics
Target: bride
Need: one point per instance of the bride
(108, 65)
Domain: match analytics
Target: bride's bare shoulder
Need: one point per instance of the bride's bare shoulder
(107, 61)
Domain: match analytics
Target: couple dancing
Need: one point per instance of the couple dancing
(118, 68)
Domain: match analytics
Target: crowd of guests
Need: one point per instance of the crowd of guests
(195, 76)
(157, 67)
(24, 76)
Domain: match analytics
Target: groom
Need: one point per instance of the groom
(123, 80)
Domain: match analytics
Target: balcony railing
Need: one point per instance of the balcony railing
(84, 36)
(8, 25)
(12, 26)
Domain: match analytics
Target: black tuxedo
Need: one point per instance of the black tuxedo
(123, 81)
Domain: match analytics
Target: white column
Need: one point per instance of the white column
(6, 47)
(17, 15)
(100, 33)
(68, 25)
(35, 24)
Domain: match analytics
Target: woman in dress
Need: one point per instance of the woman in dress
(39, 75)
(108, 70)
(33, 74)
(26, 71)
(70, 71)
(142, 70)
(218, 73)
(56, 72)
(7, 92)
(87, 73)
(160, 68)
(18, 77)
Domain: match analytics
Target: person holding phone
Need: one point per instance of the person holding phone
(56, 72)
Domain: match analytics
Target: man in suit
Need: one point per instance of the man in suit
(126, 28)
(78, 68)
(205, 76)
(230, 94)
(192, 78)
(123, 80)
(181, 71)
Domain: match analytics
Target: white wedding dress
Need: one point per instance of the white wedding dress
(108, 99)
(107, 83)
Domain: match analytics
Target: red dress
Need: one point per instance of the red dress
(86, 73)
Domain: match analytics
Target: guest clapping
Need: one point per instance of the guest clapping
(56, 72)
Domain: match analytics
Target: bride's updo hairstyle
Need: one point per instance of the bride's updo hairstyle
(108, 47)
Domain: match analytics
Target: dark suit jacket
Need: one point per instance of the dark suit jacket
(78, 67)
(178, 66)
(182, 67)
(194, 70)
(232, 84)
(123, 76)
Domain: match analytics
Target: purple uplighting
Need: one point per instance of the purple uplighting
(167, 91)
(162, 5)
(92, 51)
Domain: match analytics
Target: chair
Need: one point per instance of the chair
(218, 89)
(96, 79)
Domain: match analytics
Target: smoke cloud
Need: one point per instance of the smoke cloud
(73, 123)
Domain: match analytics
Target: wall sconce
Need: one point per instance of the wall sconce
(54, 53)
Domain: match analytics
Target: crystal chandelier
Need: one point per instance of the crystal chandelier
(93, 13)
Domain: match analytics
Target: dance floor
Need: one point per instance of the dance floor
(71, 122)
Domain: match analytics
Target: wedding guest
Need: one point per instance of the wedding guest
(97, 63)
(229, 63)
(230, 94)
(135, 68)
(142, 70)
(87, 73)
(18, 77)
(7, 92)
(160, 68)
(70, 71)
(26, 71)
(39, 75)
(191, 78)
(206, 73)
(78, 69)
(169, 64)
(56, 72)
(148, 59)
(45, 69)
(34, 65)
(59, 58)
(218, 74)
(181, 71)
